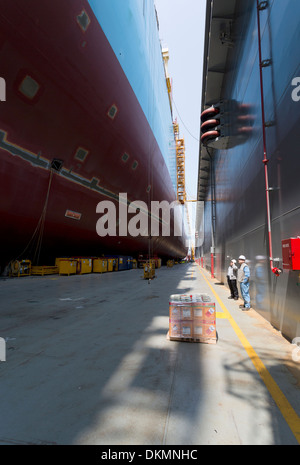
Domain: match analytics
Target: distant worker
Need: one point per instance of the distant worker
(244, 280)
(260, 279)
(231, 279)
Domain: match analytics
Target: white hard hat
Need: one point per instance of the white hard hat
(242, 257)
(233, 260)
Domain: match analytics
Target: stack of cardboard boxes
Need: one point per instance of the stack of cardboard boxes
(192, 318)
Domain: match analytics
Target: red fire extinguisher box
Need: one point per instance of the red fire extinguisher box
(291, 253)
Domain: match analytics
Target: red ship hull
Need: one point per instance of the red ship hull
(61, 83)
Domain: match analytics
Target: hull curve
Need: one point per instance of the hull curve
(68, 99)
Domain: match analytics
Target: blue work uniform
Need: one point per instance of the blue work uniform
(244, 284)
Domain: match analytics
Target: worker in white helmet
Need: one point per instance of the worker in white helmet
(232, 280)
(244, 280)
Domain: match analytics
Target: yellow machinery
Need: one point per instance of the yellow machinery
(20, 268)
(152, 261)
(193, 253)
(100, 265)
(149, 270)
(170, 263)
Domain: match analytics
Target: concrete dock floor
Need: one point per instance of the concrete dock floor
(88, 362)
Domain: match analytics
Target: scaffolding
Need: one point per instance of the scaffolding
(180, 164)
(180, 150)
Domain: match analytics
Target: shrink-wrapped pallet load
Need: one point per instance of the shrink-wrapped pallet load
(192, 318)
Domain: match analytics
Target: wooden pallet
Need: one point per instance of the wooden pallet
(204, 340)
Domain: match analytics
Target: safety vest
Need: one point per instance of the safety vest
(241, 274)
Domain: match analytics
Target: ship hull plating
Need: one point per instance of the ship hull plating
(72, 133)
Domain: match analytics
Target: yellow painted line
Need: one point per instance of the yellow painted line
(283, 404)
(192, 273)
(222, 316)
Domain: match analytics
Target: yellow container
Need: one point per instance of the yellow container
(170, 263)
(110, 263)
(67, 266)
(134, 264)
(100, 265)
(159, 263)
(149, 270)
(85, 265)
